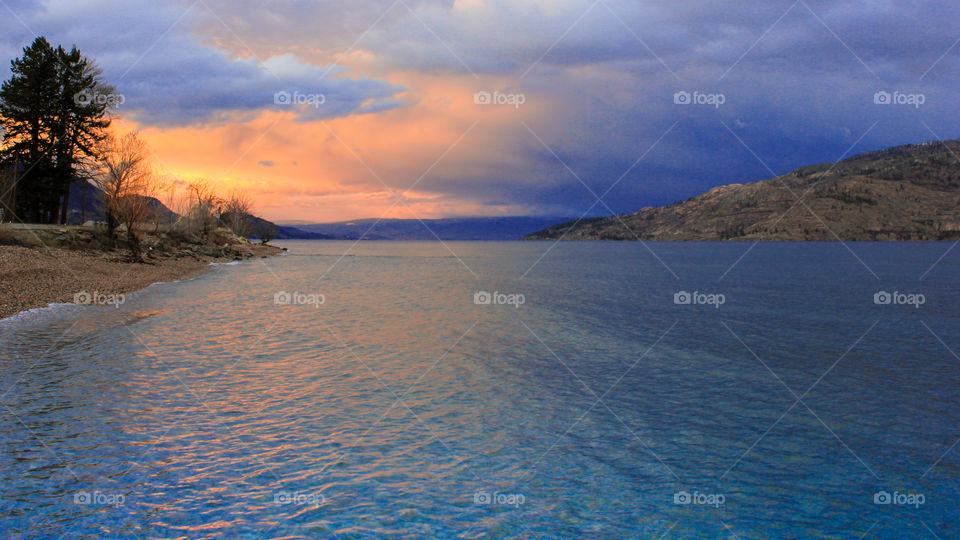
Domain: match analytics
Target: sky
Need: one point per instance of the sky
(329, 110)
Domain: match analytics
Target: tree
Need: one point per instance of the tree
(53, 111)
(27, 109)
(236, 213)
(265, 231)
(128, 184)
(8, 178)
(81, 117)
(205, 207)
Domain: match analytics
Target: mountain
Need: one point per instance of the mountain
(85, 205)
(907, 192)
(448, 229)
(286, 232)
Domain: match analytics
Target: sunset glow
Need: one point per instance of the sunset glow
(383, 97)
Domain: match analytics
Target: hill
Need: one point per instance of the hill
(909, 192)
(286, 232)
(448, 229)
(86, 205)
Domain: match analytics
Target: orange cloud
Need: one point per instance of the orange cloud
(346, 168)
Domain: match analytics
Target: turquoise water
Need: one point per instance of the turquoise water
(582, 401)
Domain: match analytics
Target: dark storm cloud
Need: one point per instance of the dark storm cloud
(798, 83)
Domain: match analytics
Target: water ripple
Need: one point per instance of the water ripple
(399, 408)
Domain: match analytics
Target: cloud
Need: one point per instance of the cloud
(169, 76)
(798, 85)
(266, 163)
(598, 79)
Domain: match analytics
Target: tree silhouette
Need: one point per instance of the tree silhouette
(54, 113)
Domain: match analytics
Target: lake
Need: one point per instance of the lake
(483, 389)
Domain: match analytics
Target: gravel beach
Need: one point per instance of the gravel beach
(36, 277)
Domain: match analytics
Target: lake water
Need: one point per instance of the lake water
(388, 398)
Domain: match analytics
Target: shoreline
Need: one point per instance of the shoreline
(40, 277)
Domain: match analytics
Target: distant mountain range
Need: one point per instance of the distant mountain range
(907, 192)
(449, 229)
(85, 205)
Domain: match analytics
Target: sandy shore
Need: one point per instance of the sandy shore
(36, 277)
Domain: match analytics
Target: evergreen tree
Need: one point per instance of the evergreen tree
(81, 119)
(27, 110)
(54, 114)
